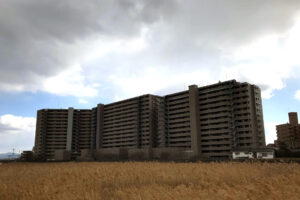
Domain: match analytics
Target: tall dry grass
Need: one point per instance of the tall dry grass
(149, 180)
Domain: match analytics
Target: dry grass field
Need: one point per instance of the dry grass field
(149, 180)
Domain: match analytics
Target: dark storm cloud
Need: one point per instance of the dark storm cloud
(203, 28)
(37, 36)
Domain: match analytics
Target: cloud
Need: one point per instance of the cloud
(229, 43)
(16, 132)
(268, 61)
(297, 95)
(149, 80)
(41, 39)
(11, 124)
(124, 44)
(70, 82)
(270, 131)
(83, 101)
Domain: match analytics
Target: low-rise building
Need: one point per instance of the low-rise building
(251, 153)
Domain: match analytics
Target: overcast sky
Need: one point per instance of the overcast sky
(56, 54)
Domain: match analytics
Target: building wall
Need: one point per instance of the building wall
(178, 120)
(51, 132)
(131, 123)
(120, 124)
(162, 122)
(230, 117)
(40, 133)
(217, 119)
(210, 121)
(82, 131)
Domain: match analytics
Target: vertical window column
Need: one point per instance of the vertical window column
(70, 129)
(194, 120)
(99, 129)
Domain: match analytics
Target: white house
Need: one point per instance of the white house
(251, 153)
(265, 155)
(242, 155)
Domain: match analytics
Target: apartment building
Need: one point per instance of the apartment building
(207, 121)
(289, 133)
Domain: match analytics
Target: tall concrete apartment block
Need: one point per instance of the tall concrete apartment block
(289, 133)
(207, 121)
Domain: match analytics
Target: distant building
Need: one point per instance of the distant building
(271, 145)
(288, 135)
(204, 121)
(26, 156)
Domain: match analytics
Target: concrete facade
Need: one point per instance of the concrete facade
(200, 122)
(62, 155)
(289, 133)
